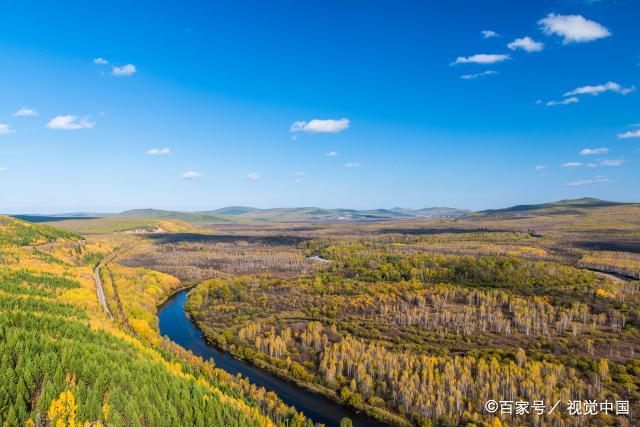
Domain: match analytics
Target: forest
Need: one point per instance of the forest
(385, 337)
(412, 321)
(64, 363)
(423, 325)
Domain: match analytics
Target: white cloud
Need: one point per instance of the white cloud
(481, 58)
(592, 151)
(3, 168)
(539, 167)
(476, 75)
(594, 180)
(573, 28)
(571, 164)
(487, 34)
(5, 129)
(331, 154)
(612, 162)
(527, 44)
(320, 126)
(566, 101)
(297, 180)
(191, 176)
(159, 151)
(252, 176)
(100, 61)
(630, 134)
(24, 112)
(124, 71)
(351, 165)
(571, 97)
(70, 122)
(300, 173)
(598, 89)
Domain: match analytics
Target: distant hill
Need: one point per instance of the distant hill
(585, 202)
(311, 214)
(139, 219)
(159, 214)
(234, 210)
(561, 207)
(320, 214)
(243, 214)
(301, 214)
(438, 212)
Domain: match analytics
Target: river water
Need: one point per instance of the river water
(175, 324)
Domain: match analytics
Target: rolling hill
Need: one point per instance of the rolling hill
(242, 213)
(562, 207)
(150, 218)
(436, 212)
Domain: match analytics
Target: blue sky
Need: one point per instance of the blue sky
(472, 104)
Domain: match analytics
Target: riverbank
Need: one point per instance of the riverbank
(176, 325)
(378, 414)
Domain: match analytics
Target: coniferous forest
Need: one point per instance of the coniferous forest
(64, 362)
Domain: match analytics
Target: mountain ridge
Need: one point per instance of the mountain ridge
(297, 213)
(560, 207)
(239, 213)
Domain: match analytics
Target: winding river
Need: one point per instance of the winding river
(175, 324)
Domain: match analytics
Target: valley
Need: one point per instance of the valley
(404, 320)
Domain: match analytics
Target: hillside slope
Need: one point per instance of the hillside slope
(562, 207)
(63, 362)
